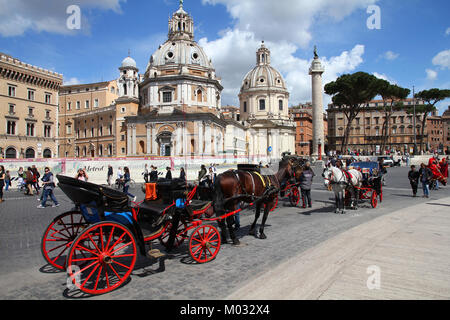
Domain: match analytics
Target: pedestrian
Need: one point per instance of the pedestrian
(145, 173)
(36, 176)
(8, 181)
(413, 177)
(81, 175)
(182, 174)
(202, 173)
(2, 182)
(110, 175)
(48, 183)
(153, 174)
(168, 174)
(305, 180)
(444, 168)
(425, 176)
(29, 182)
(126, 182)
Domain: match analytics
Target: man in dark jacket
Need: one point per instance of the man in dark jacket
(306, 179)
(413, 177)
(425, 175)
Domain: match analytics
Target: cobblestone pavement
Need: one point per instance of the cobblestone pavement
(290, 231)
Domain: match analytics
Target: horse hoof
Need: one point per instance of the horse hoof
(223, 241)
(262, 236)
(252, 232)
(236, 242)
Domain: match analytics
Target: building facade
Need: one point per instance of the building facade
(29, 110)
(264, 108)
(446, 130)
(83, 102)
(303, 118)
(366, 135)
(435, 133)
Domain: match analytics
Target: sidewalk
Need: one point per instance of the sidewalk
(409, 247)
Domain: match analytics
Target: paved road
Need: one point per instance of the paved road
(291, 231)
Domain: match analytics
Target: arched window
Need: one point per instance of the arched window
(199, 95)
(11, 153)
(125, 93)
(29, 153)
(47, 154)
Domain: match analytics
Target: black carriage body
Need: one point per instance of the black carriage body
(109, 204)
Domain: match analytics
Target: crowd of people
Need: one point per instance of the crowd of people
(429, 176)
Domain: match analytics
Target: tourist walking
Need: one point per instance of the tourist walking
(126, 182)
(29, 182)
(110, 175)
(145, 173)
(8, 181)
(153, 174)
(201, 173)
(425, 175)
(305, 180)
(36, 176)
(48, 183)
(413, 176)
(169, 173)
(182, 174)
(2, 182)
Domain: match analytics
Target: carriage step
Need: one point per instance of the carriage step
(155, 253)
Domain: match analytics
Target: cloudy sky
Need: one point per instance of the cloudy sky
(408, 43)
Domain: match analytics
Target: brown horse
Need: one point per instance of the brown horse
(234, 186)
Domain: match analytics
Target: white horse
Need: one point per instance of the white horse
(336, 180)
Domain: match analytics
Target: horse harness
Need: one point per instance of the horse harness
(264, 179)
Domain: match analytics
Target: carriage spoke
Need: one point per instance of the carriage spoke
(90, 275)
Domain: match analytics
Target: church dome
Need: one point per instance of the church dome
(180, 52)
(263, 76)
(128, 62)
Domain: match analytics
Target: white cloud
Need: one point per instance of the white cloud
(18, 16)
(233, 55)
(384, 77)
(447, 32)
(288, 20)
(389, 55)
(442, 59)
(71, 82)
(431, 74)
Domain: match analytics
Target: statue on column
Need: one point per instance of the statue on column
(316, 56)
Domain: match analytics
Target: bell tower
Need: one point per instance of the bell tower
(181, 26)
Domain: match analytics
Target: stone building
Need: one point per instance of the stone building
(264, 105)
(180, 99)
(366, 130)
(83, 123)
(435, 133)
(29, 110)
(446, 130)
(303, 118)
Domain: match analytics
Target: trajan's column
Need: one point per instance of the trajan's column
(316, 72)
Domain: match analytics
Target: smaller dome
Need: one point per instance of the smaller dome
(128, 62)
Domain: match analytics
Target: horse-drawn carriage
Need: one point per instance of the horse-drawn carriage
(372, 187)
(99, 243)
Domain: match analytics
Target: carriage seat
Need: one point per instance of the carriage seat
(199, 205)
(155, 208)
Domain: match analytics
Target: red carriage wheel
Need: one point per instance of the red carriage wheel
(294, 196)
(102, 258)
(374, 200)
(180, 235)
(204, 243)
(58, 237)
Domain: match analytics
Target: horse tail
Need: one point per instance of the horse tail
(218, 197)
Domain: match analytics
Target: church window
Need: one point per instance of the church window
(245, 106)
(262, 105)
(170, 54)
(125, 89)
(167, 97)
(280, 104)
(199, 96)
